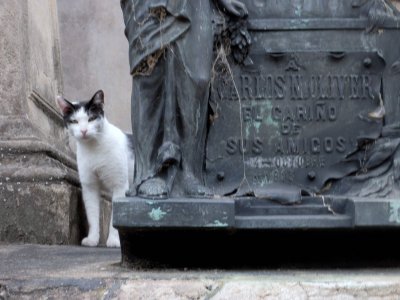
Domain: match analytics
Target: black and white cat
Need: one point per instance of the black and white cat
(104, 156)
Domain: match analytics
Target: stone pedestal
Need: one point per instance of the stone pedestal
(188, 231)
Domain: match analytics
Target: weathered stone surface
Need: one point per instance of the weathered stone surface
(204, 213)
(39, 192)
(38, 183)
(95, 54)
(298, 289)
(77, 272)
(12, 75)
(36, 213)
(44, 65)
(167, 289)
(39, 187)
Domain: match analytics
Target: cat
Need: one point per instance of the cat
(104, 157)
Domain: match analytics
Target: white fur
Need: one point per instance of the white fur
(104, 160)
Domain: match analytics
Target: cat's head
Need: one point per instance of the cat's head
(84, 119)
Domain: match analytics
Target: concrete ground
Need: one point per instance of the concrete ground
(71, 272)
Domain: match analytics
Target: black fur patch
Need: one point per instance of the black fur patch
(93, 108)
(70, 112)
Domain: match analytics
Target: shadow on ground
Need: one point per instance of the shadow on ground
(262, 249)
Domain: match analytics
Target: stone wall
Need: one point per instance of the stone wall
(94, 53)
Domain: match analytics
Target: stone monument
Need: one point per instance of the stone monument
(259, 115)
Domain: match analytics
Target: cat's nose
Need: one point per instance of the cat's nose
(84, 132)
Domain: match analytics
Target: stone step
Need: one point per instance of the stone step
(65, 272)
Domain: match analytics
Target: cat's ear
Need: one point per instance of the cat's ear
(98, 98)
(65, 106)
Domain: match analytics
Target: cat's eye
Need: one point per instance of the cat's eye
(73, 121)
(92, 118)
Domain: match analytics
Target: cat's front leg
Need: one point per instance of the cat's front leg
(91, 198)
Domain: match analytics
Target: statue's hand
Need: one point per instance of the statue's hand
(234, 7)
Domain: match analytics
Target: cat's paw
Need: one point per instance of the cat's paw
(90, 242)
(113, 242)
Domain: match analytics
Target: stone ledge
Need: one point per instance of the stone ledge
(188, 230)
(34, 161)
(33, 145)
(181, 213)
(49, 110)
(36, 272)
(236, 213)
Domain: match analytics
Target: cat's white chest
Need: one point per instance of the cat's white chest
(106, 162)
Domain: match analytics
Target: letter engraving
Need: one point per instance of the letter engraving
(294, 121)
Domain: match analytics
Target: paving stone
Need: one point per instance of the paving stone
(68, 272)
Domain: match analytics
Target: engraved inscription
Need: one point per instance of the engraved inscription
(264, 87)
(293, 121)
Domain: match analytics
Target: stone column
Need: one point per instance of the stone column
(39, 186)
